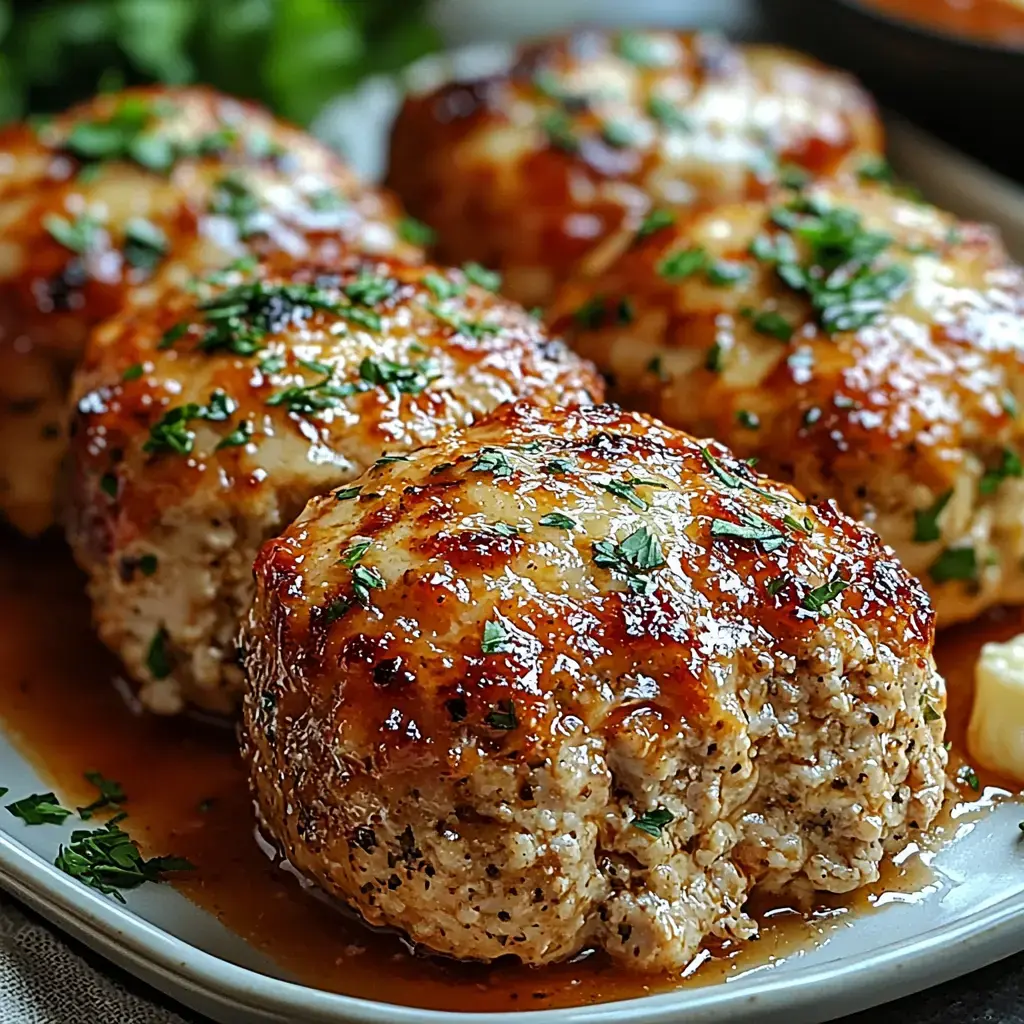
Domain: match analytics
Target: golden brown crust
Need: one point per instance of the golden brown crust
(235, 402)
(530, 170)
(150, 181)
(438, 556)
(886, 397)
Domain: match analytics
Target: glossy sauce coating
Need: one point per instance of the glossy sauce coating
(188, 796)
(167, 182)
(560, 668)
(205, 420)
(530, 170)
(864, 346)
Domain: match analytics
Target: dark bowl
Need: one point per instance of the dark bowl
(964, 89)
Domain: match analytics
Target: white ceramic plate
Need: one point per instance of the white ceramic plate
(972, 915)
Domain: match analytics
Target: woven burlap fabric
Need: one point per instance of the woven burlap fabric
(44, 981)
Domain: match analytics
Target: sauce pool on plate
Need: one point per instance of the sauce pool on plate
(187, 796)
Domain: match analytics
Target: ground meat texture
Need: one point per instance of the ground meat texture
(130, 185)
(206, 420)
(573, 679)
(863, 346)
(529, 170)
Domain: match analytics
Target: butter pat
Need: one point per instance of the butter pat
(995, 737)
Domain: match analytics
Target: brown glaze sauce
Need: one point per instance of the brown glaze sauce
(187, 795)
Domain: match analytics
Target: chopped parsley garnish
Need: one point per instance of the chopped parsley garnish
(632, 558)
(442, 287)
(643, 50)
(106, 859)
(470, 328)
(653, 822)
(776, 583)
(684, 263)
(80, 235)
(591, 314)
(955, 564)
(619, 134)
(773, 324)
(503, 716)
(793, 176)
(134, 372)
(158, 661)
(750, 527)
(626, 489)
(1009, 466)
(355, 553)
(490, 280)
(239, 319)
(654, 222)
(557, 467)
(845, 290)
(876, 168)
(125, 135)
(724, 273)
(232, 198)
(108, 484)
(816, 599)
(397, 379)
(668, 114)
(495, 639)
(557, 520)
(748, 420)
(274, 363)
(171, 433)
(967, 776)
(148, 564)
(929, 712)
(1008, 403)
(347, 493)
(415, 232)
(111, 795)
(145, 245)
(369, 289)
(388, 460)
(39, 809)
(549, 84)
(731, 480)
(493, 461)
(558, 128)
(241, 435)
(325, 200)
(713, 360)
(926, 521)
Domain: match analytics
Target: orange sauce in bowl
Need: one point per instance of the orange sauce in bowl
(187, 795)
(991, 21)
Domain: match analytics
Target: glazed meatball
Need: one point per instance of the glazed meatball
(147, 181)
(862, 346)
(205, 421)
(572, 679)
(529, 170)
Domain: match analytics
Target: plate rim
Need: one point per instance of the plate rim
(893, 970)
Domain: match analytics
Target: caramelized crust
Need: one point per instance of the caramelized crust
(529, 170)
(204, 422)
(572, 678)
(863, 346)
(149, 181)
